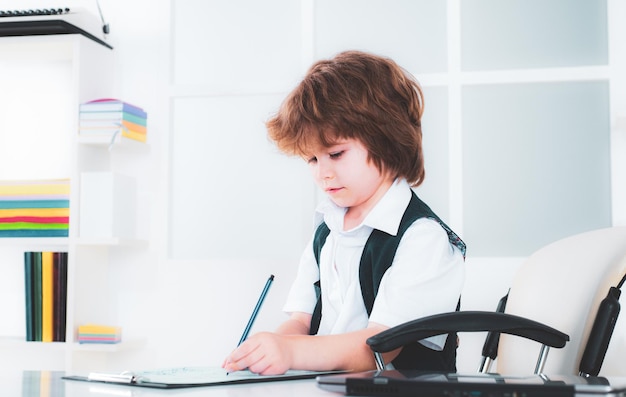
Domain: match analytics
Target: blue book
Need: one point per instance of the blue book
(15, 204)
(14, 233)
(112, 105)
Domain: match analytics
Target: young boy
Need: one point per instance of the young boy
(380, 256)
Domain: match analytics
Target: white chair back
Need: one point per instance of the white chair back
(562, 285)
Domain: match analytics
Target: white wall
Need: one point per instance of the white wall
(191, 309)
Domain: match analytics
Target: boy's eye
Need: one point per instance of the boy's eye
(312, 160)
(336, 155)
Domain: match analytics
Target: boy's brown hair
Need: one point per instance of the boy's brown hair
(361, 96)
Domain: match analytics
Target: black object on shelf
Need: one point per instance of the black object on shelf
(54, 26)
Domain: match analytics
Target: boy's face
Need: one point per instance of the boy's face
(345, 174)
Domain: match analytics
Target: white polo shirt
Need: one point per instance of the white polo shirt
(426, 276)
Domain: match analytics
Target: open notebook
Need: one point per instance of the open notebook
(413, 383)
(173, 378)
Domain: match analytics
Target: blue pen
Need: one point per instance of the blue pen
(256, 310)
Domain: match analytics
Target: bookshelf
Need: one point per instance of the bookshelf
(39, 140)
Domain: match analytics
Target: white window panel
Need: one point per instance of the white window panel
(536, 164)
(516, 34)
(435, 188)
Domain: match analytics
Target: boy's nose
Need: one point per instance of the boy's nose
(325, 172)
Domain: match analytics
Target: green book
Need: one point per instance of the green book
(28, 288)
(37, 297)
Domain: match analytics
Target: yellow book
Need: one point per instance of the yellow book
(138, 136)
(43, 212)
(47, 297)
(99, 329)
(19, 188)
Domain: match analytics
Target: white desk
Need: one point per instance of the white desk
(50, 384)
(30, 383)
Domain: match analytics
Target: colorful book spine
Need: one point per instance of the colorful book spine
(37, 296)
(35, 208)
(47, 296)
(60, 296)
(28, 288)
(45, 279)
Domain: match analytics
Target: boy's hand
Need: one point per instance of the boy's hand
(264, 353)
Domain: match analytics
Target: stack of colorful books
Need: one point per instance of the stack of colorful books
(35, 208)
(45, 276)
(92, 333)
(113, 117)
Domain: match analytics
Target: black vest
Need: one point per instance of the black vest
(378, 254)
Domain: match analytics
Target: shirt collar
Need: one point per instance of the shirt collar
(385, 216)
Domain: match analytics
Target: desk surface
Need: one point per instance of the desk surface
(43, 383)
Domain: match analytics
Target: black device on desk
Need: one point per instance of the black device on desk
(54, 21)
(419, 383)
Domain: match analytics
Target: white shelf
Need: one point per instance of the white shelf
(111, 241)
(29, 241)
(88, 69)
(17, 343)
(66, 241)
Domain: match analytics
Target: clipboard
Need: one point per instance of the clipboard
(186, 377)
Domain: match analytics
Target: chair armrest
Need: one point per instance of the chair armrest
(465, 321)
